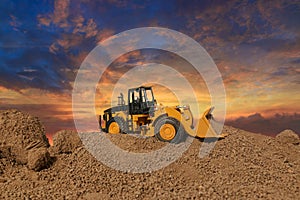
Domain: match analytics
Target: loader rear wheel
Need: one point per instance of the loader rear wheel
(113, 128)
(116, 125)
(169, 130)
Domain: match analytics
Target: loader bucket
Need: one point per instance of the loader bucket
(204, 128)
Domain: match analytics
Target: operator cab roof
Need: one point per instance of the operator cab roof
(145, 87)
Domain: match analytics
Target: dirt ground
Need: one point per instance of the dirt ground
(242, 166)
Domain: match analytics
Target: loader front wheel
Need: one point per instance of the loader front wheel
(113, 128)
(169, 130)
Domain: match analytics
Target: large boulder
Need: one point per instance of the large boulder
(288, 137)
(19, 134)
(66, 141)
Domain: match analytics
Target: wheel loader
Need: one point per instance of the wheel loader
(143, 115)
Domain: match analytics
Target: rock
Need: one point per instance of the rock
(5, 152)
(1, 169)
(66, 141)
(288, 137)
(38, 159)
(2, 180)
(21, 132)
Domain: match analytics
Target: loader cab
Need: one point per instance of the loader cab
(140, 100)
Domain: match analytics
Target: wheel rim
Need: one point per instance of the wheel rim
(167, 131)
(114, 128)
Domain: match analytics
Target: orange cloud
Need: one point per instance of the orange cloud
(67, 41)
(61, 12)
(15, 23)
(104, 34)
(89, 28)
(59, 16)
(43, 20)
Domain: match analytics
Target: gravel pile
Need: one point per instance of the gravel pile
(242, 166)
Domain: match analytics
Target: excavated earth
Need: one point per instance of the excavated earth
(242, 166)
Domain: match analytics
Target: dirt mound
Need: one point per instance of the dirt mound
(288, 137)
(19, 134)
(66, 141)
(242, 166)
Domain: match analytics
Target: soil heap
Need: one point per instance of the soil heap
(23, 140)
(242, 166)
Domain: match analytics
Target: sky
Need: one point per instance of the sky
(254, 44)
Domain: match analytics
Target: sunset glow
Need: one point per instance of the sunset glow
(256, 47)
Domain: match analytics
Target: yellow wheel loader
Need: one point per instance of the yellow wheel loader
(143, 115)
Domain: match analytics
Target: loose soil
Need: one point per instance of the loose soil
(242, 166)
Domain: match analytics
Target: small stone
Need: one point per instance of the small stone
(38, 159)
(2, 180)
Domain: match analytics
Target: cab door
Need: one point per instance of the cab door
(134, 101)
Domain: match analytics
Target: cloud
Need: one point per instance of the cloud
(267, 125)
(104, 34)
(34, 68)
(90, 29)
(77, 30)
(61, 12)
(59, 16)
(286, 71)
(66, 43)
(69, 18)
(15, 23)
(43, 20)
(229, 28)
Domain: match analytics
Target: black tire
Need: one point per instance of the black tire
(180, 135)
(120, 122)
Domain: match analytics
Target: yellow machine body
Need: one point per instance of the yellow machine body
(123, 120)
(202, 130)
